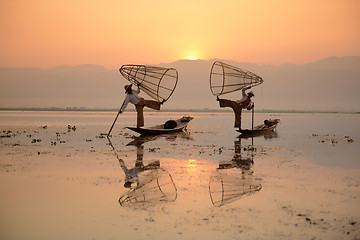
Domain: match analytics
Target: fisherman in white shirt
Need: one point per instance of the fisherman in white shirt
(139, 102)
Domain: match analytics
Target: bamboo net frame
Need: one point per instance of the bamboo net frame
(158, 82)
(156, 186)
(225, 78)
(226, 187)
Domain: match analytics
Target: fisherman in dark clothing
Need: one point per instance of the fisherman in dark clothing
(237, 106)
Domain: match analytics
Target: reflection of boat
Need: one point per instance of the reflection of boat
(260, 129)
(168, 127)
(139, 140)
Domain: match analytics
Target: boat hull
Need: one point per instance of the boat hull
(160, 129)
(260, 129)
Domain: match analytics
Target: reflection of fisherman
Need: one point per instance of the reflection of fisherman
(238, 105)
(131, 175)
(238, 161)
(139, 102)
(228, 184)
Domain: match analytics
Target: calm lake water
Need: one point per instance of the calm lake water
(60, 178)
(332, 139)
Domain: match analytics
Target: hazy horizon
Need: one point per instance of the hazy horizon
(179, 60)
(330, 84)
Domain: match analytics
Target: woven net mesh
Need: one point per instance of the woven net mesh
(225, 78)
(155, 186)
(225, 186)
(158, 82)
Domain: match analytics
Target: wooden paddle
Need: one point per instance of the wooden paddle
(115, 119)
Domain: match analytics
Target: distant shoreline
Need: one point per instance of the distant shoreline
(167, 110)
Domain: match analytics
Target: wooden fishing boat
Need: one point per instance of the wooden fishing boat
(261, 129)
(157, 82)
(168, 127)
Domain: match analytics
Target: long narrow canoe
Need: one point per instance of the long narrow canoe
(262, 128)
(181, 124)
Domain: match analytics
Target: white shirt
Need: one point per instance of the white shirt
(133, 98)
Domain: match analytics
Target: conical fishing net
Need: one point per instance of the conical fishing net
(156, 185)
(226, 186)
(225, 78)
(158, 82)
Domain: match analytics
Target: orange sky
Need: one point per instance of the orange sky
(47, 33)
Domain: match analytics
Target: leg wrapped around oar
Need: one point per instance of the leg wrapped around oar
(140, 110)
(235, 107)
(152, 104)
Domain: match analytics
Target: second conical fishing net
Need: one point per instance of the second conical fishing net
(158, 82)
(154, 186)
(225, 78)
(226, 186)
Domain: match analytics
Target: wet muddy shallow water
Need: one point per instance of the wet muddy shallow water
(62, 179)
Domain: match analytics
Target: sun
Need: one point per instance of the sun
(191, 55)
(191, 58)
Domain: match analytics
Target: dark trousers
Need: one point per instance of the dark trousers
(235, 107)
(140, 109)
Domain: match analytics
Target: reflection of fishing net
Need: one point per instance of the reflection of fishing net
(225, 188)
(225, 78)
(155, 186)
(158, 82)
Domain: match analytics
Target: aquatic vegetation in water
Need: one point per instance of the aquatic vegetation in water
(153, 149)
(34, 140)
(250, 148)
(332, 139)
(71, 128)
(7, 134)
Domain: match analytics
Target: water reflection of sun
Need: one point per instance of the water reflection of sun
(191, 165)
